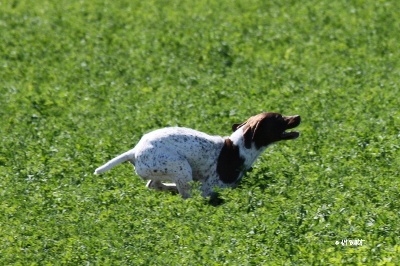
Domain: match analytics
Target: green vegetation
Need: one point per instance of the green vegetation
(81, 81)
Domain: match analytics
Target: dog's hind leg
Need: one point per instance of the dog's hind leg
(162, 166)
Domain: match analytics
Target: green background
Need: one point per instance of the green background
(82, 81)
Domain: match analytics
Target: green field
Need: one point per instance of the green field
(82, 81)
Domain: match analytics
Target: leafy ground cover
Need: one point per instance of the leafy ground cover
(81, 81)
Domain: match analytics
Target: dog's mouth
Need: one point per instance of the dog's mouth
(292, 122)
(290, 135)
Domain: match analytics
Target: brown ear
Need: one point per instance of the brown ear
(249, 134)
(254, 129)
(248, 137)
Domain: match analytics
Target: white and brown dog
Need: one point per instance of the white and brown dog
(182, 155)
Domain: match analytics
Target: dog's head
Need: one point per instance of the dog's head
(266, 128)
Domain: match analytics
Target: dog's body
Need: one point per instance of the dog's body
(182, 155)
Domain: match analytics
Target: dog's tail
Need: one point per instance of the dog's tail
(127, 156)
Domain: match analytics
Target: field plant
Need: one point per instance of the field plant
(81, 81)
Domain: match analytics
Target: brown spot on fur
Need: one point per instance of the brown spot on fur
(230, 164)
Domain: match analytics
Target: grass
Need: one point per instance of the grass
(81, 81)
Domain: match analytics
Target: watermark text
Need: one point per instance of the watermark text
(350, 242)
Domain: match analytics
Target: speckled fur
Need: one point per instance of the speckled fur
(182, 155)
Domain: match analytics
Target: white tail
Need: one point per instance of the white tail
(127, 156)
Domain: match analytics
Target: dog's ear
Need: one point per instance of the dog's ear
(255, 129)
(248, 135)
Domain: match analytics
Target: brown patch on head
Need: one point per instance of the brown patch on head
(266, 128)
(229, 164)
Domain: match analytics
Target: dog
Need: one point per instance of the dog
(183, 155)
